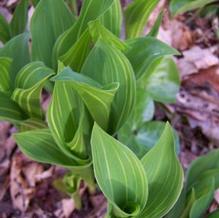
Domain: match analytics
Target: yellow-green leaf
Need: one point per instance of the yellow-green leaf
(165, 176)
(136, 16)
(107, 64)
(119, 173)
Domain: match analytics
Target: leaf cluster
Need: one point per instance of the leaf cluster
(101, 88)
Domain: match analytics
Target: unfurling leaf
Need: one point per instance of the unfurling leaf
(119, 174)
(106, 64)
(165, 176)
(28, 87)
(69, 123)
(91, 10)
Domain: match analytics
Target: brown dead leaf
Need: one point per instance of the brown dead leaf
(23, 181)
(181, 36)
(197, 59)
(66, 207)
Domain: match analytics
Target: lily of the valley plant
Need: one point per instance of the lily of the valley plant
(102, 90)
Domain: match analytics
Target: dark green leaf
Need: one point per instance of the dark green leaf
(9, 110)
(142, 52)
(215, 214)
(5, 64)
(19, 21)
(201, 165)
(4, 30)
(162, 81)
(50, 19)
(142, 139)
(181, 6)
(204, 192)
(17, 49)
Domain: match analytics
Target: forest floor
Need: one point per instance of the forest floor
(27, 188)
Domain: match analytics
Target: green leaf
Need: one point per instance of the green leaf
(31, 124)
(40, 146)
(155, 29)
(5, 64)
(77, 54)
(181, 6)
(143, 138)
(91, 10)
(162, 81)
(119, 174)
(31, 74)
(17, 49)
(144, 109)
(97, 99)
(68, 122)
(4, 30)
(215, 214)
(142, 52)
(29, 84)
(98, 31)
(50, 19)
(200, 166)
(165, 176)
(19, 21)
(136, 16)
(106, 64)
(9, 110)
(204, 192)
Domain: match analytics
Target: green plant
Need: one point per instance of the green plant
(182, 6)
(99, 85)
(201, 181)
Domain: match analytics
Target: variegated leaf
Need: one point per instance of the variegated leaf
(91, 10)
(136, 16)
(142, 52)
(40, 146)
(69, 123)
(10, 110)
(17, 49)
(165, 176)
(29, 83)
(5, 64)
(106, 64)
(97, 98)
(119, 174)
